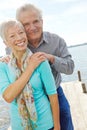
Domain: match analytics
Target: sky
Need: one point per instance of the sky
(67, 18)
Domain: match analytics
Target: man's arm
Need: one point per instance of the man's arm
(62, 62)
(5, 59)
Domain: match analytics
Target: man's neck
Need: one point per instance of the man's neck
(35, 43)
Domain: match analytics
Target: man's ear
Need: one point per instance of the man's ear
(42, 21)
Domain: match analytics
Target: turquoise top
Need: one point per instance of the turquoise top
(42, 82)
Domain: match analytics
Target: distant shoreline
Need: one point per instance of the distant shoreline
(77, 45)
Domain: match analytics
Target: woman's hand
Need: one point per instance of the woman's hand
(35, 59)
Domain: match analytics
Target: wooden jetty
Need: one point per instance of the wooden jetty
(78, 102)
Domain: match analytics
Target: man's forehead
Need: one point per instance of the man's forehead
(29, 18)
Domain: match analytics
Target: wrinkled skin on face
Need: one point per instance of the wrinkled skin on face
(33, 25)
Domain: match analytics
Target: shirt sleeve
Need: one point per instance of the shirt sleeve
(63, 60)
(47, 78)
(4, 80)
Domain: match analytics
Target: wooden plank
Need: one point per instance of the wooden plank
(78, 103)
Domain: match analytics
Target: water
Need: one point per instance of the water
(79, 54)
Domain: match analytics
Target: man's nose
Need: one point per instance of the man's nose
(32, 26)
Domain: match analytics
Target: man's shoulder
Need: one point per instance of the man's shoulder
(53, 38)
(50, 36)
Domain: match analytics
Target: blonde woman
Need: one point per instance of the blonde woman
(24, 82)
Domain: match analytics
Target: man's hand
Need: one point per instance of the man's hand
(35, 59)
(5, 59)
(50, 57)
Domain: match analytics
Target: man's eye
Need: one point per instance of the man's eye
(36, 21)
(21, 32)
(26, 25)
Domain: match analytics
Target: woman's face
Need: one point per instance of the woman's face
(16, 38)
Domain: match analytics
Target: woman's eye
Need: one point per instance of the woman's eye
(11, 36)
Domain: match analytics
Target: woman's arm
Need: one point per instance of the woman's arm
(55, 111)
(14, 89)
(50, 87)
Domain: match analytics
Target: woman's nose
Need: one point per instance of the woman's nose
(18, 37)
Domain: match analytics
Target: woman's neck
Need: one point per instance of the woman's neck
(19, 56)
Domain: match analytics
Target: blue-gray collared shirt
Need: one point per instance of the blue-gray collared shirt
(55, 45)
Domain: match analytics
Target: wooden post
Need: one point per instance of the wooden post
(84, 88)
(79, 75)
(83, 84)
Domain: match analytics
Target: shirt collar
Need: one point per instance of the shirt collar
(43, 40)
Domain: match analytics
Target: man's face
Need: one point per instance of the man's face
(33, 25)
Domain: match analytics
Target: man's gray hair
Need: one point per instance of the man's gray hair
(27, 7)
(6, 25)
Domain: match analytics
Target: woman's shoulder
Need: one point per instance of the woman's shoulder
(44, 65)
(3, 65)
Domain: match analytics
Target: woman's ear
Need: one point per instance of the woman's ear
(5, 43)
